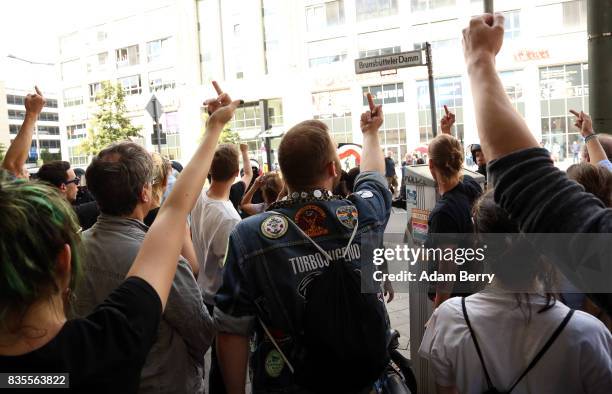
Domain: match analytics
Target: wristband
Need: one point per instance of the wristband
(589, 137)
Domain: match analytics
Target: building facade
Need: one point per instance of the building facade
(46, 142)
(300, 55)
(147, 54)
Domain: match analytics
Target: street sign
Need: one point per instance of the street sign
(154, 108)
(389, 62)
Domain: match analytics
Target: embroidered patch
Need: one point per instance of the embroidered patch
(365, 194)
(347, 215)
(274, 227)
(274, 364)
(311, 220)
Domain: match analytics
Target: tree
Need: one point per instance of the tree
(46, 156)
(110, 124)
(2, 152)
(228, 136)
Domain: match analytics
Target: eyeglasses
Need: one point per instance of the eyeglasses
(76, 181)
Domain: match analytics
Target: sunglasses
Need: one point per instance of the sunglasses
(76, 181)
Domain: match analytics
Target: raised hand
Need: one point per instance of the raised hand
(372, 120)
(484, 37)
(447, 121)
(221, 109)
(583, 122)
(34, 103)
(244, 148)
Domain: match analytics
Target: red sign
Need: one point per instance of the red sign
(526, 55)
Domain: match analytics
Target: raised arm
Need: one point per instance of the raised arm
(18, 152)
(501, 129)
(246, 205)
(585, 125)
(372, 158)
(246, 165)
(156, 261)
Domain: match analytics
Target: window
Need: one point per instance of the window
(379, 52)
(443, 35)
(158, 50)
(48, 130)
(16, 114)
(76, 131)
(327, 52)
(127, 56)
(172, 148)
(51, 103)
(512, 84)
(161, 80)
(248, 116)
(76, 156)
(97, 62)
(334, 109)
(370, 9)
(512, 25)
(15, 100)
(562, 88)
(131, 85)
(49, 144)
(48, 116)
(384, 94)
(393, 132)
(14, 129)
(324, 15)
(273, 23)
(72, 97)
(71, 70)
(568, 16)
(94, 89)
(448, 92)
(101, 35)
(237, 30)
(425, 5)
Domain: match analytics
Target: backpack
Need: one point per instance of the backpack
(490, 388)
(342, 346)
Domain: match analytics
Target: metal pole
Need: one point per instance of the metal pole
(432, 91)
(488, 6)
(265, 126)
(599, 24)
(155, 118)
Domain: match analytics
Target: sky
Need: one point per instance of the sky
(30, 30)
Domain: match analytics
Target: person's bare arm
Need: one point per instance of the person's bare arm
(157, 259)
(19, 150)
(372, 158)
(447, 121)
(246, 165)
(189, 253)
(585, 125)
(501, 129)
(232, 351)
(246, 205)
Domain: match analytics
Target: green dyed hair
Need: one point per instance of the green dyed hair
(35, 224)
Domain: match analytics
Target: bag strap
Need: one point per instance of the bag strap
(545, 348)
(535, 360)
(263, 325)
(473, 334)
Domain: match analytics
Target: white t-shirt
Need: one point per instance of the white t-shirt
(579, 361)
(212, 221)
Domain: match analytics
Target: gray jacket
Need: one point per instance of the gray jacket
(175, 363)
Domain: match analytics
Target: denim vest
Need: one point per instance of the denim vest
(269, 264)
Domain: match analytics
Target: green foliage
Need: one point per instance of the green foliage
(46, 156)
(228, 136)
(110, 124)
(2, 152)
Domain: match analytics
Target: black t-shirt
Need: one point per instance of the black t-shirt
(150, 218)
(87, 214)
(452, 215)
(389, 167)
(238, 190)
(104, 352)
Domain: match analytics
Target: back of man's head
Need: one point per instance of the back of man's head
(225, 164)
(304, 153)
(54, 172)
(117, 176)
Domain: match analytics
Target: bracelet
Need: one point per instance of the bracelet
(589, 137)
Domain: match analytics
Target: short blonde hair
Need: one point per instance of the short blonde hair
(161, 171)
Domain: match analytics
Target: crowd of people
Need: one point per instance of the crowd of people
(126, 284)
